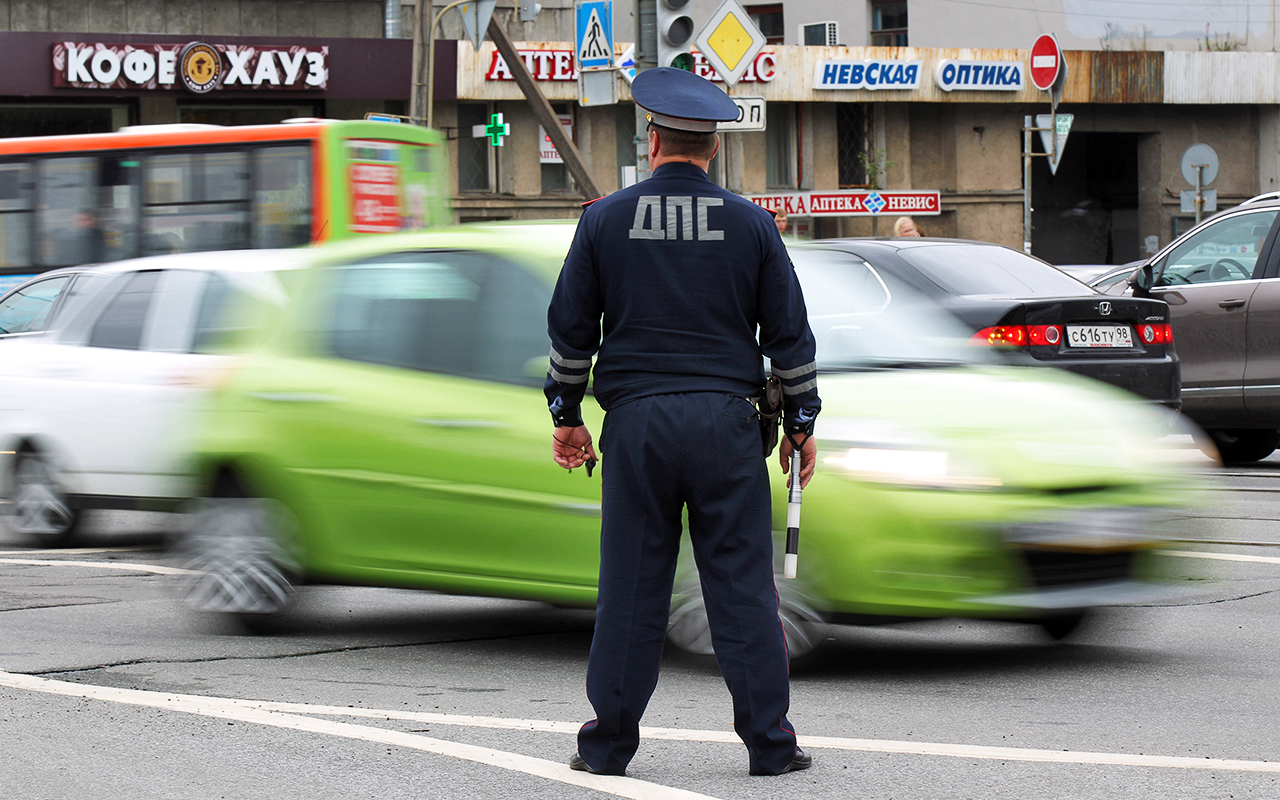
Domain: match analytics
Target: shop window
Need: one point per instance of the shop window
(780, 146)
(768, 18)
(60, 120)
(15, 215)
(475, 165)
(624, 131)
(555, 175)
(196, 201)
(888, 23)
(852, 127)
(282, 196)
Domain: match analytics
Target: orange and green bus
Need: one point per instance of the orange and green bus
(145, 190)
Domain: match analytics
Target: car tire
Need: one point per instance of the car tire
(239, 568)
(41, 510)
(1245, 445)
(689, 629)
(1061, 626)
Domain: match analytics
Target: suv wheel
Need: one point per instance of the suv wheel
(1245, 444)
(41, 510)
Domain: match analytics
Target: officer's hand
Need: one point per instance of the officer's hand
(808, 457)
(572, 447)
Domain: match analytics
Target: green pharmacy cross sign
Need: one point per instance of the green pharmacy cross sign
(496, 129)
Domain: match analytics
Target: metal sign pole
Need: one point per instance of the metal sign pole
(1026, 184)
(646, 57)
(1199, 195)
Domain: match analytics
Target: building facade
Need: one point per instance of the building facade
(1115, 197)
(41, 93)
(948, 119)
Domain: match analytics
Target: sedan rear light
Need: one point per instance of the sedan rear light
(1156, 334)
(1044, 334)
(1018, 335)
(1002, 336)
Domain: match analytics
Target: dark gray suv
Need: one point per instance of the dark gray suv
(1222, 283)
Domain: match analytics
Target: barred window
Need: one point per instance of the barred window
(852, 124)
(473, 151)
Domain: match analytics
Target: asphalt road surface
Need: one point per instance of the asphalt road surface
(109, 688)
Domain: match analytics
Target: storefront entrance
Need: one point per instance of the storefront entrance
(1088, 212)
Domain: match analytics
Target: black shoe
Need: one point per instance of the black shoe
(801, 760)
(579, 763)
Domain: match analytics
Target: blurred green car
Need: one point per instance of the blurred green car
(391, 431)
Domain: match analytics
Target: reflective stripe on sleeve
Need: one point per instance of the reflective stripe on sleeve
(560, 377)
(812, 366)
(800, 388)
(570, 363)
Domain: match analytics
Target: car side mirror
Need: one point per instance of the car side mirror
(1141, 280)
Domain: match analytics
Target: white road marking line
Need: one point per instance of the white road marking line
(124, 566)
(1222, 556)
(195, 704)
(73, 551)
(819, 742)
(291, 712)
(226, 708)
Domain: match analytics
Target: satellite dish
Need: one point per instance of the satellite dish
(1200, 154)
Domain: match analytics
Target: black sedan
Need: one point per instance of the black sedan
(1031, 312)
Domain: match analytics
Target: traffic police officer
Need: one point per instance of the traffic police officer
(693, 285)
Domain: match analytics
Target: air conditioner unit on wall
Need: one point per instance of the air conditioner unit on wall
(820, 33)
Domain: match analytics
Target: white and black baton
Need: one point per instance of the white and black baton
(793, 516)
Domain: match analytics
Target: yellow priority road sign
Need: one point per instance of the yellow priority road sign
(730, 41)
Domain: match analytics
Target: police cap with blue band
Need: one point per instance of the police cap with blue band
(681, 100)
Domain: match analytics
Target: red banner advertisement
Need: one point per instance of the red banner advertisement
(852, 203)
(375, 198)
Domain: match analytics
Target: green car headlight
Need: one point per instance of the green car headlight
(880, 453)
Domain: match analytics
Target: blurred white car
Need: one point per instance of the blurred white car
(35, 305)
(94, 414)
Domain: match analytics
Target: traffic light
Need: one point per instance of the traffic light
(675, 34)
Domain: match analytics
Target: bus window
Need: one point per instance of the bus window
(87, 209)
(282, 196)
(421, 185)
(196, 201)
(67, 221)
(15, 215)
(117, 206)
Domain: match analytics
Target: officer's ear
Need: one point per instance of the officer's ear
(716, 149)
(655, 143)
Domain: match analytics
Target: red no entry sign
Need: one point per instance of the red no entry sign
(1046, 62)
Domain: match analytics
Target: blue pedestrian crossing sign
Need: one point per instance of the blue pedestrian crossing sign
(595, 33)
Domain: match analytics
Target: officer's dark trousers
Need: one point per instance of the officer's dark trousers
(660, 454)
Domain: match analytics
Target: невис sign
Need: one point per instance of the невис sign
(852, 203)
(197, 66)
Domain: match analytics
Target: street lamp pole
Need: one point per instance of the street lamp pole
(429, 46)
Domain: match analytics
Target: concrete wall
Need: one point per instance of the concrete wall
(1232, 131)
(554, 23)
(1268, 148)
(345, 18)
(1119, 25)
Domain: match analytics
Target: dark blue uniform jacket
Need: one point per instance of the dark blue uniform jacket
(685, 276)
